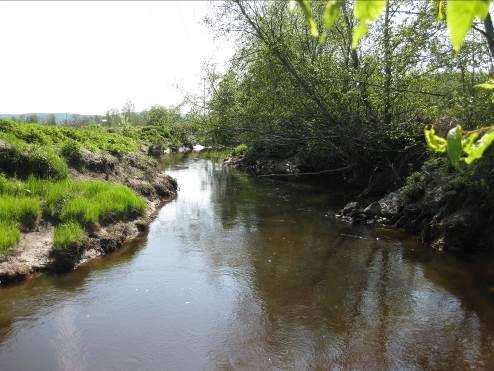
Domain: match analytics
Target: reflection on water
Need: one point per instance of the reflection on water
(243, 273)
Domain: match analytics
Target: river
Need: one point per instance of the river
(254, 274)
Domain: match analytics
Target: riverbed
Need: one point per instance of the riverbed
(246, 273)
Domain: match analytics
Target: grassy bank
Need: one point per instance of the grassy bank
(36, 186)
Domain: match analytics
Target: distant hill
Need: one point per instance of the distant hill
(59, 117)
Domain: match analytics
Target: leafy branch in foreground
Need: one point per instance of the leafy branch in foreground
(460, 15)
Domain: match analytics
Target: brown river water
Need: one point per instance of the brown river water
(254, 274)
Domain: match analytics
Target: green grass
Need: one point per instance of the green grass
(22, 210)
(67, 234)
(35, 157)
(65, 202)
(9, 235)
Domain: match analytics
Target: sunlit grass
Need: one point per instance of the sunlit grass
(67, 234)
(65, 202)
(9, 235)
(22, 210)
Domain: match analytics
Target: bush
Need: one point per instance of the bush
(45, 163)
(67, 234)
(241, 149)
(21, 159)
(9, 235)
(71, 151)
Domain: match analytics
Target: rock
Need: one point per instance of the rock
(458, 231)
(391, 204)
(373, 209)
(155, 150)
(350, 209)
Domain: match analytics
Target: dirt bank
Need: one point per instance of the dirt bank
(34, 251)
(450, 211)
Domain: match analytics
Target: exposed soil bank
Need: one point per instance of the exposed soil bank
(34, 251)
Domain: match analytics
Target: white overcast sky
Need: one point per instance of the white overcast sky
(88, 57)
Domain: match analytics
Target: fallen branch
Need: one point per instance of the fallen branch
(330, 171)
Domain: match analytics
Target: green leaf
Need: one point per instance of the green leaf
(434, 142)
(455, 147)
(468, 141)
(489, 85)
(475, 151)
(366, 11)
(331, 12)
(306, 9)
(460, 15)
(440, 10)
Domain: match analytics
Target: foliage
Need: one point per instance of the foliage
(241, 149)
(66, 235)
(460, 16)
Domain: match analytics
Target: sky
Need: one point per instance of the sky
(89, 57)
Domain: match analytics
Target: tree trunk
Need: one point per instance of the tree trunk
(387, 67)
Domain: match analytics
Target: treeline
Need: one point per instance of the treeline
(288, 94)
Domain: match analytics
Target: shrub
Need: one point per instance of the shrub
(45, 163)
(241, 149)
(71, 151)
(20, 159)
(9, 235)
(66, 235)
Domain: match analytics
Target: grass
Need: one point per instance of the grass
(9, 235)
(35, 157)
(22, 210)
(66, 235)
(66, 203)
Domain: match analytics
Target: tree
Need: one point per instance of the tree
(32, 118)
(460, 16)
(160, 115)
(51, 119)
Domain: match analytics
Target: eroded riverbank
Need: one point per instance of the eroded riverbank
(253, 273)
(35, 254)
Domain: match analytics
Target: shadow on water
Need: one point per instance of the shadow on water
(245, 273)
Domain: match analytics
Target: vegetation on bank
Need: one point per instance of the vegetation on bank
(35, 184)
(352, 87)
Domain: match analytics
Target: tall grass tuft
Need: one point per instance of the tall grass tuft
(9, 235)
(67, 234)
(22, 210)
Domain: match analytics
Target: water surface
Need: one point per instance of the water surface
(243, 273)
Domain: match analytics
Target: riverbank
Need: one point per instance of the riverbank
(69, 195)
(34, 252)
(447, 210)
